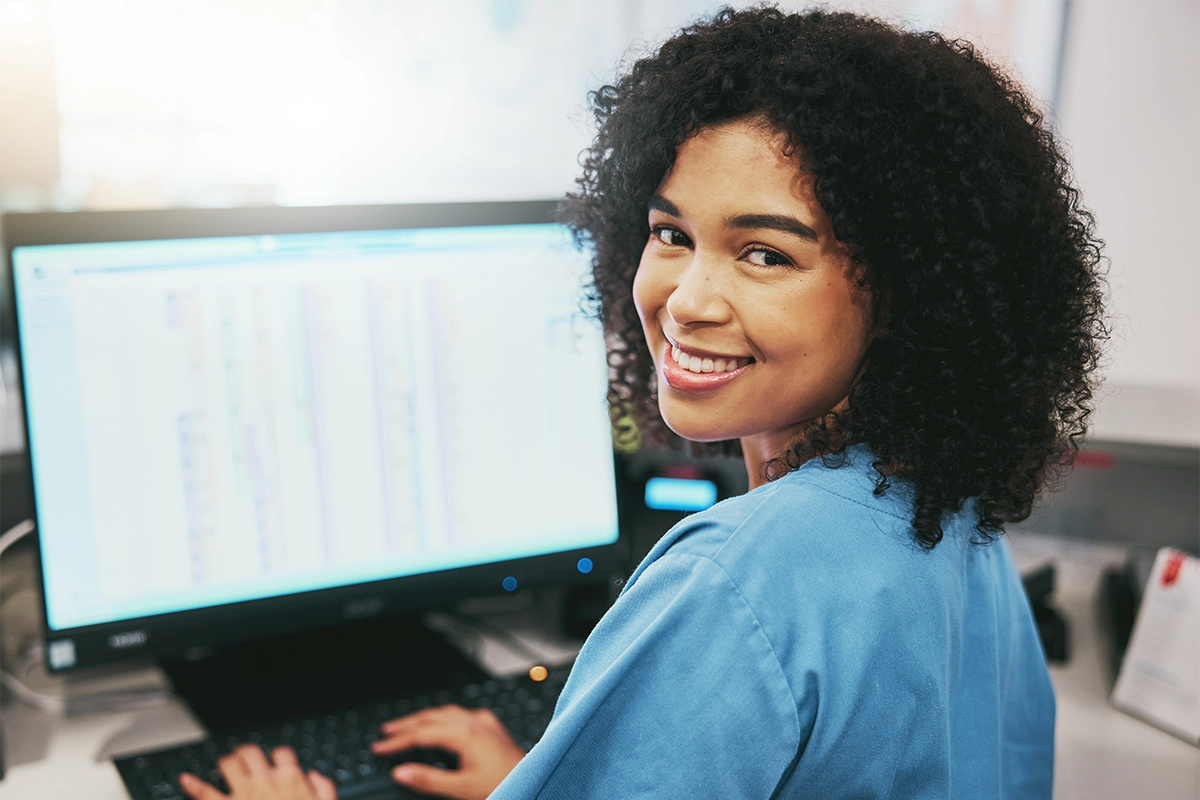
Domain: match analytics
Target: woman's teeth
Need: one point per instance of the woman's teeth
(697, 364)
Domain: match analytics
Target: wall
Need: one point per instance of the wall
(1146, 495)
(28, 112)
(1130, 111)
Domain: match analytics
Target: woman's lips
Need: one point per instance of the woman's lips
(684, 380)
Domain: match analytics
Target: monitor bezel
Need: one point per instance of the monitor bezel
(202, 629)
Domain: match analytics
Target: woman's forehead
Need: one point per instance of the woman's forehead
(740, 167)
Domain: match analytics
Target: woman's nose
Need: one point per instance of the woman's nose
(700, 293)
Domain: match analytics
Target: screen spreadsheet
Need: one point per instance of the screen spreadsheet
(224, 419)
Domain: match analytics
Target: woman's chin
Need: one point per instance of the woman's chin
(695, 430)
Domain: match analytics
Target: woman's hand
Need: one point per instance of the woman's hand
(252, 777)
(486, 751)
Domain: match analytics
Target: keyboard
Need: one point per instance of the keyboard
(336, 743)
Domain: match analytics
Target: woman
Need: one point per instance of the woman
(852, 255)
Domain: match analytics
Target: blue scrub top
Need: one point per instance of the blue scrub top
(795, 642)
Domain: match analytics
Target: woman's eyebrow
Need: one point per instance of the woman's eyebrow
(659, 203)
(776, 222)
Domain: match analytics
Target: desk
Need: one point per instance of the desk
(69, 767)
(1101, 752)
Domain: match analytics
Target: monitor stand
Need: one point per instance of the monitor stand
(304, 674)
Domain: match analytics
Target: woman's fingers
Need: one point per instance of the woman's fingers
(197, 789)
(254, 760)
(288, 777)
(423, 717)
(252, 776)
(245, 769)
(486, 751)
(284, 758)
(442, 782)
(321, 786)
(445, 726)
(233, 769)
(439, 733)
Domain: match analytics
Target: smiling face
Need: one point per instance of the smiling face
(750, 306)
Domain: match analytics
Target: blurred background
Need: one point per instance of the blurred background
(135, 103)
(114, 104)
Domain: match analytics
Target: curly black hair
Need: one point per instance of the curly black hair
(953, 199)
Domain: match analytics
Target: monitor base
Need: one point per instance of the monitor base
(303, 674)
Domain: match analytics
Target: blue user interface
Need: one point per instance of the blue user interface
(680, 494)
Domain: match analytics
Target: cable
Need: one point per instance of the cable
(59, 704)
(15, 533)
(15, 584)
(33, 656)
(50, 703)
(91, 703)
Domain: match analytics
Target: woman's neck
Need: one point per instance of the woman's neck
(770, 455)
(761, 453)
(755, 466)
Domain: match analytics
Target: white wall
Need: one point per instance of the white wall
(28, 114)
(1130, 112)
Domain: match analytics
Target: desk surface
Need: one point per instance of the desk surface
(1101, 752)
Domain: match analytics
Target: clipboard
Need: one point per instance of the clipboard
(1159, 681)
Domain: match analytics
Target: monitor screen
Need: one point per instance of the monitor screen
(216, 420)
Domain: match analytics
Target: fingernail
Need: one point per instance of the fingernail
(402, 773)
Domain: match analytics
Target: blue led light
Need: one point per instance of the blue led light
(585, 565)
(680, 494)
(509, 584)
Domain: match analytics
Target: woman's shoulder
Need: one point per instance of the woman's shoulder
(832, 501)
(825, 533)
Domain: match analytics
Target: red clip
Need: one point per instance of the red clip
(1171, 570)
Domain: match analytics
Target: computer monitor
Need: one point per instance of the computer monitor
(242, 422)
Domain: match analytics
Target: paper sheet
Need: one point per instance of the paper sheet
(1160, 674)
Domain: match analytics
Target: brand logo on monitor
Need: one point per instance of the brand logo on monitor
(363, 607)
(119, 641)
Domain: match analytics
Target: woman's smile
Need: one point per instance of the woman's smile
(689, 371)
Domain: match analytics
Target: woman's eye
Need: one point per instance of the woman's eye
(669, 236)
(768, 258)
